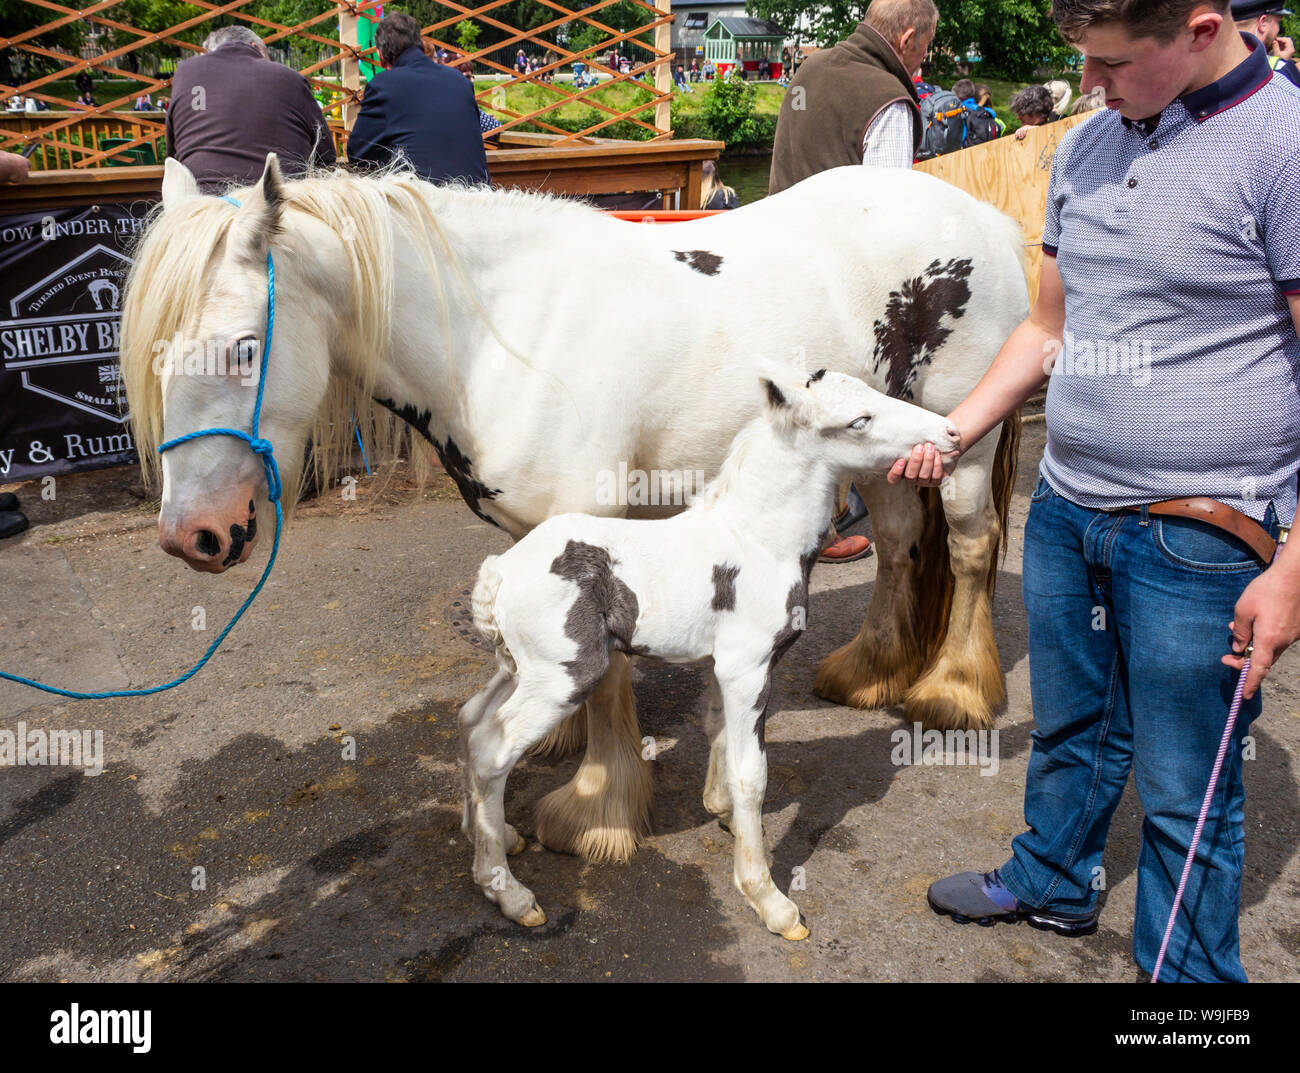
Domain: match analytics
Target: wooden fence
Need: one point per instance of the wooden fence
(72, 136)
(1011, 174)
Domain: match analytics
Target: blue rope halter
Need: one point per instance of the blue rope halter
(260, 447)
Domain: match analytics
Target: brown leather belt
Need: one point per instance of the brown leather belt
(1221, 516)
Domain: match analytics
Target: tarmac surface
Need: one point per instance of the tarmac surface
(230, 837)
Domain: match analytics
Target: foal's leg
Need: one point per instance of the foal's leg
(744, 696)
(609, 803)
(717, 798)
(877, 666)
(493, 747)
(963, 686)
(484, 704)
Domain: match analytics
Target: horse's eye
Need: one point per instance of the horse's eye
(859, 424)
(246, 352)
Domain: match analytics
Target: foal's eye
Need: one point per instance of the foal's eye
(859, 424)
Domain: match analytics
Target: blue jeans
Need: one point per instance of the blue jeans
(1128, 618)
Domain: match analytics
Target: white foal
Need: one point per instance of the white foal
(726, 581)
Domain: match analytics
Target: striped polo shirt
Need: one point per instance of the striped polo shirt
(1178, 240)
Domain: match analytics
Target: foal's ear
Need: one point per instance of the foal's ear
(786, 398)
(258, 220)
(178, 183)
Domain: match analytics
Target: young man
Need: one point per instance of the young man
(1169, 303)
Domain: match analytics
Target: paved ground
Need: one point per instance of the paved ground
(320, 867)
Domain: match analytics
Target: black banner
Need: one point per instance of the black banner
(62, 404)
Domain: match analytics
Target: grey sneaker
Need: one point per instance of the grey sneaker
(981, 897)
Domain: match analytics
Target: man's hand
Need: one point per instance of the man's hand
(1267, 616)
(13, 168)
(1284, 47)
(925, 467)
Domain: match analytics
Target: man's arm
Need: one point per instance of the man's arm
(1267, 615)
(887, 141)
(1021, 367)
(365, 143)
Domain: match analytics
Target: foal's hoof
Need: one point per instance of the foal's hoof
(535, 918)
(796, 934)
(518, 847)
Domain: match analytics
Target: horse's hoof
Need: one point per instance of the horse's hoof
(534, 918)
(518, 847)
(796, 934)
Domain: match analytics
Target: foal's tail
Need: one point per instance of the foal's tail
(483, 605)
(934, 569)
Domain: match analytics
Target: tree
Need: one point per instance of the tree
(1011, 39)
(466, 34)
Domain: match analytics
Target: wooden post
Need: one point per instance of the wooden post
(664, 72)
(349, 68)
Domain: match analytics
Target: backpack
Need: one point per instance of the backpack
(981, 126)
(942, 124)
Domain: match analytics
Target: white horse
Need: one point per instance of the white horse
(453, 307)
(725, 581)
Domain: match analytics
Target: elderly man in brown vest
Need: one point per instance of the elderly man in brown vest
(856, 103)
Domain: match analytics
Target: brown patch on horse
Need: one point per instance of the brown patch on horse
(700, 260)
(912, 329)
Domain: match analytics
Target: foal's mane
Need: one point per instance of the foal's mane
(754, 430)
(169, 281)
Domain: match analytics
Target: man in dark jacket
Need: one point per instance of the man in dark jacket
(233, 105)
(418, 108)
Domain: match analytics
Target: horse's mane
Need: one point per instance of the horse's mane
(168, 281)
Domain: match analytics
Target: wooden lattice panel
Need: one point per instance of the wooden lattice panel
(70, 135)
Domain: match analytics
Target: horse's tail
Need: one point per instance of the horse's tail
(483, 605)
(934, 601)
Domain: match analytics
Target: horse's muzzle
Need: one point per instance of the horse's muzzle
(208, 546)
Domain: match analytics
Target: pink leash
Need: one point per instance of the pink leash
(1209, 790)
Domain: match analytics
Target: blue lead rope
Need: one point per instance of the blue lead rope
(260, 447)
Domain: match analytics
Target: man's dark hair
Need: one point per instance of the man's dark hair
(963, 88)
(396, 33)
(1161, 19)
(1032, 100)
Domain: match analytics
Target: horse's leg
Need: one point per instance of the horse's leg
(567, 738)
(963, 685)
(484, 704)
(746, 776)
(609, 803)
(717, 798)
(877, 666)
(493, 746)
